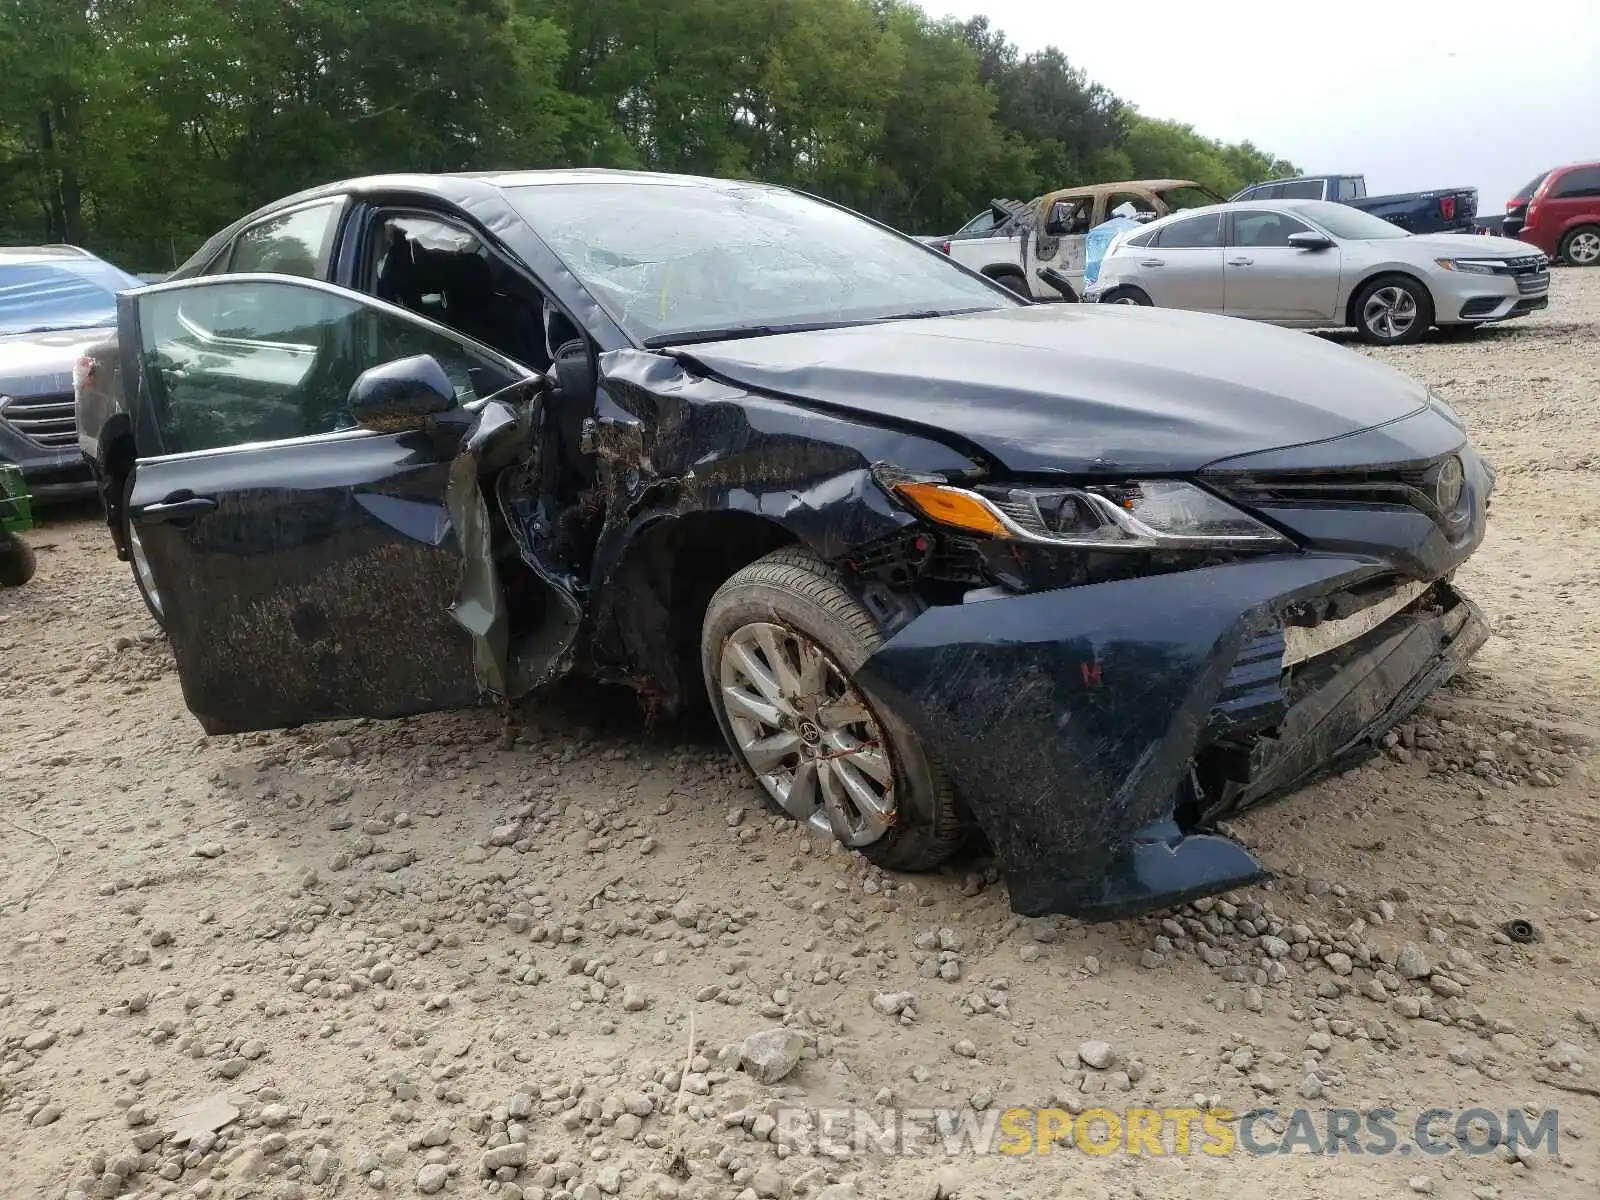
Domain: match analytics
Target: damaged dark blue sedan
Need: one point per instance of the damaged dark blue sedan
(1086, 577)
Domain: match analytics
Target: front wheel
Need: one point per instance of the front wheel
(143, 579)
(1013, 280)
(1394, 310)
(1581, 246)
(1127, 295)
(780, 646)
(17, 561)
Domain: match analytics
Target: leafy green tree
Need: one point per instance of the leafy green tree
(139, 127)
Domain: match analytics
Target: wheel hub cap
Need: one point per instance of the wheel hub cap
(807, 733)
(141, 566)
(1390, 312)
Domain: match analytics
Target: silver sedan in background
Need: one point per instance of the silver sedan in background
(1314, 264)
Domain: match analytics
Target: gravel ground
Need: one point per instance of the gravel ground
(440, 956)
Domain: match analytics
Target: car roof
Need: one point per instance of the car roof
(459, 188)
(16, 255)
(1232, 205)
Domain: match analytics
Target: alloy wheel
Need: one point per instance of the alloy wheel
(807, 733)
(1390, 312)
(1583, 249)
(141, 568)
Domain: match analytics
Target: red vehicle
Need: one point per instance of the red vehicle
(1559, 212)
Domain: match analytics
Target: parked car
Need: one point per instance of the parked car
(1442, 210)
(1036, 249)
(16, 517)
(984, 224)
(1559, 212)
(54, 301)
(724, 443)
(1314, 264)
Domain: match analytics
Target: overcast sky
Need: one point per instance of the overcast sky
(1474, 93)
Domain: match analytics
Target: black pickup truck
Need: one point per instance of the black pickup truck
(1443, 210)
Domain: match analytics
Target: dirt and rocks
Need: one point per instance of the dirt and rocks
(570, 958)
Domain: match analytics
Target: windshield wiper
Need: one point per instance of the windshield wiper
(929, 313)
(690, 337)
(54, 329)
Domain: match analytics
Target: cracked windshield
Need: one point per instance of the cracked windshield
(678, 263)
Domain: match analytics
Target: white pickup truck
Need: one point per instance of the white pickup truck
(1036, 248)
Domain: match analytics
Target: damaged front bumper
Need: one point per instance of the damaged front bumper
(1097, 732)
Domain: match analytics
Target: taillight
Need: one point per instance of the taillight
(1447, 207)
(83, 370)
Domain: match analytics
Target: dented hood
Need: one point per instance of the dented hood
(1082, 388)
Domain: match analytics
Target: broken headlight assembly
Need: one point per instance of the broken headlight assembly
(1141, 515)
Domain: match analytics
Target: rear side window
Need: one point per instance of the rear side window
(1305, 189)
(1528, 189)
(1351, 189)
(1192, 233)
(1140, 239)
(295, 243)
(1578, 183)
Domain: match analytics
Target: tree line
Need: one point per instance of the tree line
(139, 127)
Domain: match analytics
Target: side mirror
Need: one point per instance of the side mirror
(401, 395)
(574, 371)
(1310, 241)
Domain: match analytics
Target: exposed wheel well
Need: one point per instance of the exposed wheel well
(655, 601)
(1352, 316)
(117, 457)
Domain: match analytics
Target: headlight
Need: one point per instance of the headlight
(1470, 266)
(1155, 514)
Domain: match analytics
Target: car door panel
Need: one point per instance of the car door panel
(1266, 279)
(1188, 277)
(326, 593)
(1183, 268)
(1281, 283)
(348, 572)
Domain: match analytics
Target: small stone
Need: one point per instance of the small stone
(686, 913)
(48, 1115)
(1098, 1055)
(321, 1164)
(432, 1178)
(1338, 963)
(1412, 964)
(634, 999)
(1421, 1184)
(771, 1054)
(892, 1003)
(768, 1182)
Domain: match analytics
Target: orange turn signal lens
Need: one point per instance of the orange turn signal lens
(952, 506)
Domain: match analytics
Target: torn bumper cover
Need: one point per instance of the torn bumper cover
(1072, 721)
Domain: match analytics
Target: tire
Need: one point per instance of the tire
(147, 589)
(17, 561)
(783, 602)
(1396, 302)
(1014, 280)
(1580, 247)
(1128, 295)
